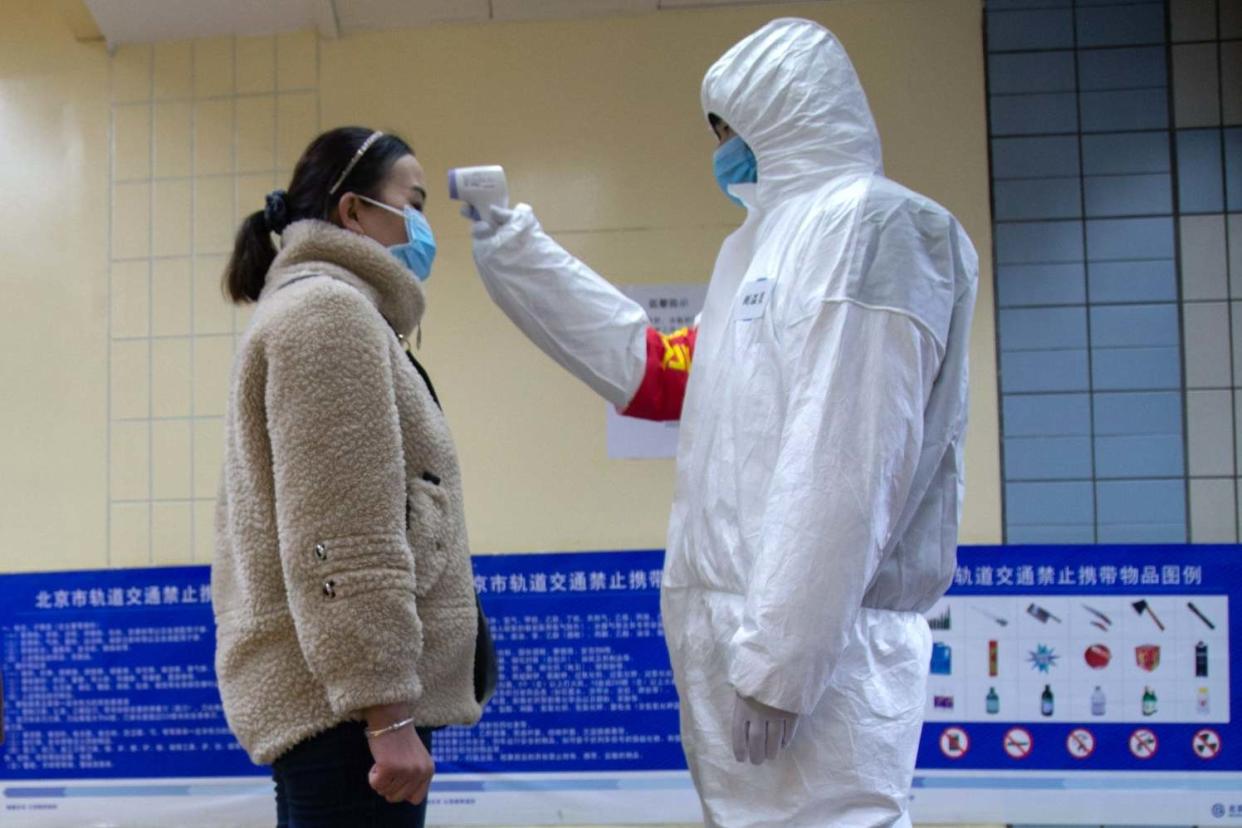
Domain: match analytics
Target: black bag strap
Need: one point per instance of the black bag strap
(422, 372)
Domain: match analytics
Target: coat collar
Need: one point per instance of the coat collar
(311, 246)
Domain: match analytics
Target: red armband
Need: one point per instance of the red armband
(668, 370)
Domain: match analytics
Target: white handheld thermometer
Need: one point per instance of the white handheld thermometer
(480, 187)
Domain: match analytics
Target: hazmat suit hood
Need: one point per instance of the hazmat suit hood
(790, 91)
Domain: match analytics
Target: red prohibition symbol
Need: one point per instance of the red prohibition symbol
(954, 743)
(1080, 743)
(1143, 743)
(1018, 743)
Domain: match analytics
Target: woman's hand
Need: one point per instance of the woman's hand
(403, 768)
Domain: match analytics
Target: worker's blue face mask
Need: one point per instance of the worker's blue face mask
(419, 252)
(734, 163)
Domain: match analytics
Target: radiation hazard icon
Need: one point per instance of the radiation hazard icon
(1206, 744)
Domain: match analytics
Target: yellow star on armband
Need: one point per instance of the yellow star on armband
(676, 354)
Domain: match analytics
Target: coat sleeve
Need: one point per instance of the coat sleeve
(848, 452)
(339, 477)
(566, 309)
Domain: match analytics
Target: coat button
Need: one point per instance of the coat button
(329, 589)
(321, 552)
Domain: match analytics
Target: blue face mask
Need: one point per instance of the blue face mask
(419, 252)
(734, 163)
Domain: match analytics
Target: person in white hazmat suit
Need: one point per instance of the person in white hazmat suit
(819, 469)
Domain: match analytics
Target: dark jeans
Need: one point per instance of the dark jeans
(322, 783)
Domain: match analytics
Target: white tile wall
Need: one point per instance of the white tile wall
(198, 129)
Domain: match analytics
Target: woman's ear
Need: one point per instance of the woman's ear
(347, 212)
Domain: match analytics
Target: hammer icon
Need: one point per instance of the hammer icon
(1143, 607)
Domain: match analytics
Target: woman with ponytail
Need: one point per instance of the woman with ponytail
(342, 587)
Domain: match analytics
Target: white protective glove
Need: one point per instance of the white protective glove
(760, 732)
(482, 228)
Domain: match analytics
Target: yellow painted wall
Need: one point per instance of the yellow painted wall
(599, 125)
(116, 342)
(53, 292)
(126, 176)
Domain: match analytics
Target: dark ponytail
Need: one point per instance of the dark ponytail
(308, 196)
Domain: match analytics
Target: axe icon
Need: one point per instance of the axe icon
(1143, 607)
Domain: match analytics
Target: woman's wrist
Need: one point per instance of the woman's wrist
(392, 728)
(385, 715)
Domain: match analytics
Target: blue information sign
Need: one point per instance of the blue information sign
(110, 674)
(1086, 658)
(1112, 660)
(585, 678)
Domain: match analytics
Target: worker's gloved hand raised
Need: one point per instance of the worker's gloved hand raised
(484, 227)
(760, 732)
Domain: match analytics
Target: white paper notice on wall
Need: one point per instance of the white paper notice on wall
(670, 307)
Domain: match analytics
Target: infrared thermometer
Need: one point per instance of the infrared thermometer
(480, 187)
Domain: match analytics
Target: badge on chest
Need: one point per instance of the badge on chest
(752, 300)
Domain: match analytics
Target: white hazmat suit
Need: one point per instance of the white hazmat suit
(819, 470)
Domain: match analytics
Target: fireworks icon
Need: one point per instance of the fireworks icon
(1043, 658)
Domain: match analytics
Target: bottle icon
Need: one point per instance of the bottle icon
(1149, 702)
(1201, 660)
(1045, 701)
(1097, 701)
(994, 701)
(994, 659)
(1202, 706)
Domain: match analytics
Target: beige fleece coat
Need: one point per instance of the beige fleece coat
(342, 573)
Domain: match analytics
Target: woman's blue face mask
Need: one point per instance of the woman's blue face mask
(419, 251)
(734, 163)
